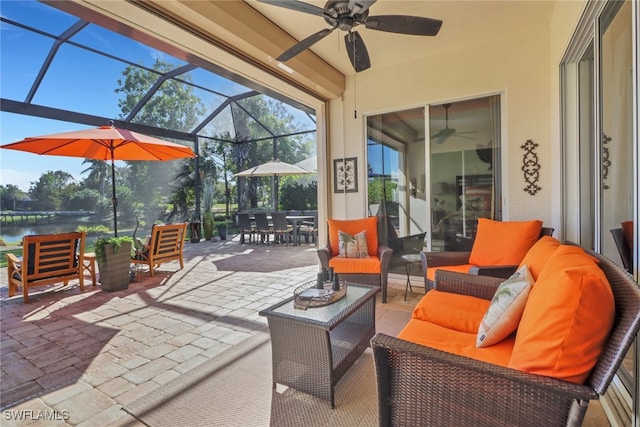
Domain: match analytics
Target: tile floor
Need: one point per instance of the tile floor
(75, 358)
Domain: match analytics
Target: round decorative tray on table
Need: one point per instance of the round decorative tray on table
(308, 295)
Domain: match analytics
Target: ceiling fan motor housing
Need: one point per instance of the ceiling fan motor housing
(339, 15)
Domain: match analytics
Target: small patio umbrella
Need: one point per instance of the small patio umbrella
(104, 143)
(310, 164)
(273, 168)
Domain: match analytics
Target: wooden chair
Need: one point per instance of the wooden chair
(166, 244)
(46, 259)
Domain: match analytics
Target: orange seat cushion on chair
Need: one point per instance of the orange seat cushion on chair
(369, 265)
(461, 268)
(503, 242)
(454, 311)
(539, 254)
(567, 319)
(456, 342)
(353, 227)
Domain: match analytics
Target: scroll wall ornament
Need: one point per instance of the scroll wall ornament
(606, 162)
(531, 167)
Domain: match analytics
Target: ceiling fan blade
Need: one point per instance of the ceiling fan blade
(300, 7)
(403, 24)
(304, 44)
(358, 7)
(357, 51)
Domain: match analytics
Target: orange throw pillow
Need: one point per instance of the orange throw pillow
(567, 319)
(503, 242)
(539, 254)
(353, 227)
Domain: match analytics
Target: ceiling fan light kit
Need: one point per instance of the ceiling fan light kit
(346, 15)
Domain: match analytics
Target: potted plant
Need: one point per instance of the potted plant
(221, 225)
(113, 255)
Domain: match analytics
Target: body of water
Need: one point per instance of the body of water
(14, 233)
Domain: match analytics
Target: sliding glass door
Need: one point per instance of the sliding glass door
(439, 184)
(600, 158)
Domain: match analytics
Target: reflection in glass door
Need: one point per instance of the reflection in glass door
(395, 174)
(465, 170)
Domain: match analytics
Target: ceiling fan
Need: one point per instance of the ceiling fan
(348, 14)
(441, 136)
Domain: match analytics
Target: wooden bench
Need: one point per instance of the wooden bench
(165, 245)
(46, 259)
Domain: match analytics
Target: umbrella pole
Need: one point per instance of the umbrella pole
(114, 200)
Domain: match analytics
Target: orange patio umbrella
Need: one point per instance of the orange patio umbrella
(104, 143)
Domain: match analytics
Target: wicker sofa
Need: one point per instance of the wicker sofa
(430, 376)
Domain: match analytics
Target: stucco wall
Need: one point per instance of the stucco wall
(522, 67)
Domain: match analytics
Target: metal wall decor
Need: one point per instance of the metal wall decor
(606, 162)
(345, 177)
(530, 167)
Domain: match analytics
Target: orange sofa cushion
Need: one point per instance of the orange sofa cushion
(539, 254)
(454, 311)
(503, 242)
(456, 342)
(462, 268)
(369, 265)
(567, 319)
(353, 227)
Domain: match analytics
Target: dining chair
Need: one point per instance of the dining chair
(245, 226)
(262, 227)
(282, 231)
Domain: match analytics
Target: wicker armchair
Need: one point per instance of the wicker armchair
(383, 254)
(459, 261)
(419, 385)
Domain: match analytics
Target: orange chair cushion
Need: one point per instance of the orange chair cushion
(503, 242)
(567, 319)
(353, 227)
(539, 254)
(456, 342)
(369, 265)
(462, 268)
(454, 311)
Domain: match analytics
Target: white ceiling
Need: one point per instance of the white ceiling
(464, 23)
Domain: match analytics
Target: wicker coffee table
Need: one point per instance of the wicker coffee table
(311, 349)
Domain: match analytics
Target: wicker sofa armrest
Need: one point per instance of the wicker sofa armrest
(439, 259)
(419, 385)
(384, 254)
(502, 271)
(459, 283)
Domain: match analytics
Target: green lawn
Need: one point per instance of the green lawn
(4, 252)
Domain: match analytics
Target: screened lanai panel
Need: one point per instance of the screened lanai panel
(244, 117)
(73, 73)
(226, 87)
(20, 64)
(121, 47)
(221, 126)
(201, 103)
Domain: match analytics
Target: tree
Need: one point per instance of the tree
(10, 195)
(49, 190)
(97, 178)
(173, 106)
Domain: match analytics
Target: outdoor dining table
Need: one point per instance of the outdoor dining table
(295, 221)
